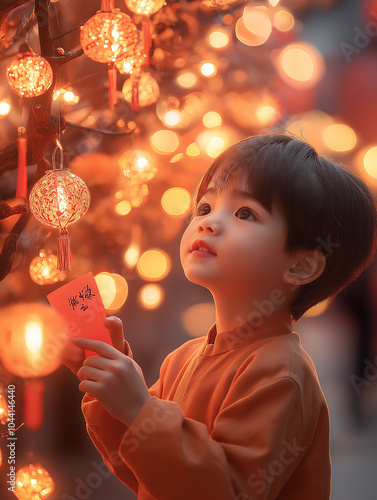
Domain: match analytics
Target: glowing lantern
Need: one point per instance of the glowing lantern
(3, 409)
(145, 8)
(44, 270)
(32, 340)
(131, 62)
(57, 200)
(33, 482)
(29, 75)
(141, 90)
(138, 163)
(104, 37)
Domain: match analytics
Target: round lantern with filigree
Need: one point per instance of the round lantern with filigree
(106, 34)
(29, 75)
(104, 37)
(44, 270)
(33, 482)
(57, 200)
(141, 90)
(132, 62)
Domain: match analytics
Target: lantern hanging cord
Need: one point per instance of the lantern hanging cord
(58, 147)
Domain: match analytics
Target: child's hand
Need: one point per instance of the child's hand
(73, 356)
(114, 379)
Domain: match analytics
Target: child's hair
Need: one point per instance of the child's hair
(326, 206)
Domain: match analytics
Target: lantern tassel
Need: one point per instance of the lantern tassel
(135, 93)
(21, 190)
(147, 39)
(112, 73)
(64, 251)
(33, 396)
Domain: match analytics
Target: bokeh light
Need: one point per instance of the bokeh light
(164, 141)
(339, 137)
(124, 207)
(153, 265)
(247, 37)
(284, 20)
(218, 38)
(151, 296)
(198, 318)
(300, 65)
(257, 21)
(5, 107)
(370, 161)
(187, 79)
(208, 69)
(176, 201)
(212, 119)
(107, 288)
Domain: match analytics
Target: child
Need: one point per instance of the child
(239, 414)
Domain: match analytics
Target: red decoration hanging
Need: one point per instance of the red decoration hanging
(29, 75)
(21, 190)
(57, 200)
(104, 37)
(142, 87)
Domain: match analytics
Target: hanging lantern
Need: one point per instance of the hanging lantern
(3, 409)
(141, 90)
(145, 8)
(29, 75)
(104, 37)
(44, 270)
(138, 164)
(32, 339)
(33, 482)
(132, 62)
(57, 200)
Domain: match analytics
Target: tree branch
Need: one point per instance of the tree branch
(101, 131)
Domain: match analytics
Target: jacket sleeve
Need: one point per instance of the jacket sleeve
(254, 446)
(107, 433)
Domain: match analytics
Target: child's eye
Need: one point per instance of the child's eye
(203, 209)
(245, 213)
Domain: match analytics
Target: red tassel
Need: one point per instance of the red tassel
(21, 190)
(64, 251)
(135, 94)
(113, 98)
(147, 39)
(107, 5)
(33, 404)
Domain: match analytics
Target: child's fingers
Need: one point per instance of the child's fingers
(115, 327)
(73, 356)
(105, 350)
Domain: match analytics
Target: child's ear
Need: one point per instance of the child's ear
(309, 266)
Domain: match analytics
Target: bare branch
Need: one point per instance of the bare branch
(99, 130)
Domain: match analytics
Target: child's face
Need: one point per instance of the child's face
(235, 245)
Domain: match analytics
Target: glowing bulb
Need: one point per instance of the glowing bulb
(70, 97)
(218, 39)
(208, 69)
(131, 255)
(33, 336)
(124, 207)
(212, 119)
(370, 161)
(339, 137)
(4, 108)
(172, 117)
(187, 79)
(153, 265)
(151, 296)
(175, 201)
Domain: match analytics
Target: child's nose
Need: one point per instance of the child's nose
(209, 224)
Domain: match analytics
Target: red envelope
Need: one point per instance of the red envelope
(80, 303)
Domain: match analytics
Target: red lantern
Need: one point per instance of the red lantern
(132, 62)
(57, 200)
(29, 75)
(141, 90)
(32, 340)
(145, 8)
(104, 37)
(33, 482)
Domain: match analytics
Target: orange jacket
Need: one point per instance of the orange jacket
(234, 416)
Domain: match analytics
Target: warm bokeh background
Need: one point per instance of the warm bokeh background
(225, 70)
